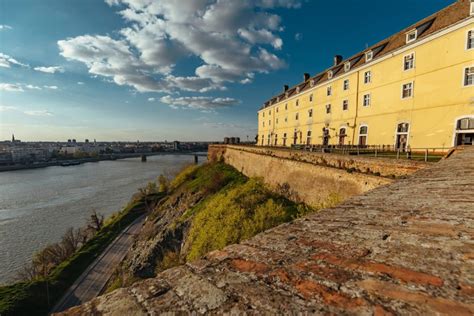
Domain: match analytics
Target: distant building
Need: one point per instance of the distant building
(176, 145)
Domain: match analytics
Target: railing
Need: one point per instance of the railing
(426, 154)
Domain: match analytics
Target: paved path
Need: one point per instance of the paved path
(92, 281)
(405, 248)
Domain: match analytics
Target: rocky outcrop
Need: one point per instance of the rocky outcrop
(404, 248)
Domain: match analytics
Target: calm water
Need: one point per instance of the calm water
(38, 205)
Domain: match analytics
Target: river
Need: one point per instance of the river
(37, 206)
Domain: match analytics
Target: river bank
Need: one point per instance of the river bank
(78, 161)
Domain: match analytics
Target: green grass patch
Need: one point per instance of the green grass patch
(31, 298)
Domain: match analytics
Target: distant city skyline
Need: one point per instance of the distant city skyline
(147, 70)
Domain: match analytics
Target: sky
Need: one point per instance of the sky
(155, 70)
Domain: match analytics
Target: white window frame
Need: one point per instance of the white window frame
(344, 84)
(369, 56)
(329, 91)
(464, 77)
(413, 63)
(412, 90)
(345, 102)
(366, 135)
(369, 73)
(468, 39)
(330, 74)
(368, 97)
(347, 67)
(407, 36)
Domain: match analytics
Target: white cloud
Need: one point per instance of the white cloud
(233, 40)
(298, 36)
(38, 113)
(4, 108)
(50, 70)
(51, 87)
(11, 87)
(151, 99)
(6, 61)
(32, 87)
(80, 83)
(5, 27)
(200, 102)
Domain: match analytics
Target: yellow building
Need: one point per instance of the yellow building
(414, 89)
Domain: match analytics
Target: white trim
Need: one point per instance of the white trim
(370, 76)
(396, 52)
(366, 135)
(407, 34)
(345, 100)
(414, 61)
(412, 90)
(456, 124)
(467, 39)
(472, 8)
(369, 56)
(464, 85)
(330, 74)
(407, 133)
(347, 66)
(369, 98)
(344, 84)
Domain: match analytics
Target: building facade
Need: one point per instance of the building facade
(414, 89)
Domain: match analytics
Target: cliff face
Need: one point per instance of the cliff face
(207, 208)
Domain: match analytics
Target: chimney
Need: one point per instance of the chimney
(285, 88)
(306, 76)
(337, 60)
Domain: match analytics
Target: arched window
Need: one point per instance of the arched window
(363, 133)
(402, 136)
(464, 131)
(342, 136)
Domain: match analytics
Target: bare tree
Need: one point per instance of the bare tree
(96, 221)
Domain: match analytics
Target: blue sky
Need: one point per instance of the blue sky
(167, 69)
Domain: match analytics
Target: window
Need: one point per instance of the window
(277, 121)
(345, 105)
(263, 114)
(407, 90)
(310, 113)
(308, 138)
(366, 99)
(284, 139)
(472, 7)
(465, 124)
(411, 36)
(310, 98)
(346, 84)
(269, 123)
(263, 124)
(363, 132)
(469, 76)
(277, 109)
(270, 112)
(342, 135)
(286, 119)
(329, 91)
(297, 89)
(367, 77)
(311, 83)
(328, 108)
(297, 102)
(330, 74)
(296, 116)
(347, 66)
(286, 106)
(369, 56)
(470, 39)
(409, 61)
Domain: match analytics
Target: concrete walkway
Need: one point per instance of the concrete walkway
(92, 281)
(404, 248)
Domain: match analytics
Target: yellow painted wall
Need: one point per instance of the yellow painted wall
(439, 98)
